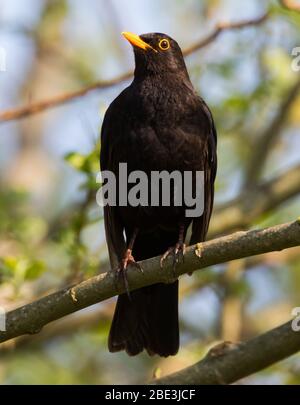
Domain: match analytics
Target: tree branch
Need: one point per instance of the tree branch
(268, 137)
(242, 211)
(225, 26)
(56, 101)
(31, 318)
(230, 363)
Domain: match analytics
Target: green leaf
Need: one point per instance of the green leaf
(35, 270)
(76, 160)
(22, 268)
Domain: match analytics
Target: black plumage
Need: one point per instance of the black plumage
(157, 123)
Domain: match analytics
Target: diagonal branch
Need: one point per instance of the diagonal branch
(31, 318)
(225, 26)
(235, 361)
(56, 101)
(248, 207)
(268, 138)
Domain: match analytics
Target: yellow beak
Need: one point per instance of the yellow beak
(135, 40)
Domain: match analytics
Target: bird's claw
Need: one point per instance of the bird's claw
(121, 271)
(177, 253)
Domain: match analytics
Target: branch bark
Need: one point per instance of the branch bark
(31, 318)
(61, 99)
(230, 363)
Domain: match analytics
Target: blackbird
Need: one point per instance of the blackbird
(158, 123)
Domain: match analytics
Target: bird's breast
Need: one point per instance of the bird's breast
(162, 129)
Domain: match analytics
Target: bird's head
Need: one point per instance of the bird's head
(156, 53)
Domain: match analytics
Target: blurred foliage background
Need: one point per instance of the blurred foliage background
(51, 230)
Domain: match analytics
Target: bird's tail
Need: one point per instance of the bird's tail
(147, 320)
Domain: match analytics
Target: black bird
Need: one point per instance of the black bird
(157, 123)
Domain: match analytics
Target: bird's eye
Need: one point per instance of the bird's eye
(164, 44)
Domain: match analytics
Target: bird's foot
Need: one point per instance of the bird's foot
(128, 260)
(177, 254)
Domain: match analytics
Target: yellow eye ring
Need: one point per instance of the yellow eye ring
(164, 44)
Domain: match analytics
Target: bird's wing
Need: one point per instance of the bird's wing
(114, 228)
(209, 164)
